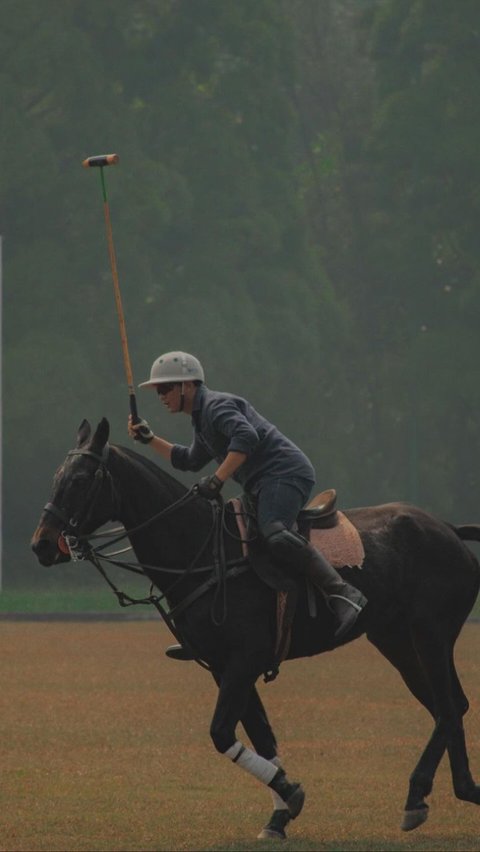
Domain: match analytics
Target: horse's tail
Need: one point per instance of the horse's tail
(467, 532)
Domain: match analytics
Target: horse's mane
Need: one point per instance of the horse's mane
(153, 471)
(165, 485)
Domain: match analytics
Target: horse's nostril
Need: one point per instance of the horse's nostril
(40, 545)
(45, 550)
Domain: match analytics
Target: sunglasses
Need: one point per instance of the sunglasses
(165, 388)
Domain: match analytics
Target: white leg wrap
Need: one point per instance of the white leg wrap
(278, 803)
(263, 770)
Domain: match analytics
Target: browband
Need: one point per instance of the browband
(101, 458)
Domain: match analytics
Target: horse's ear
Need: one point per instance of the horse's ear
(83, 433)
(100, 437)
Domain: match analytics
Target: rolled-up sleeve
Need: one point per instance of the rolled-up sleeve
(193, 457)
(230, 422)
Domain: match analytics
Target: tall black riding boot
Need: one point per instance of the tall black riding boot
(345, 601)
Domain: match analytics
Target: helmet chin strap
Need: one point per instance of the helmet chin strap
(182, 397)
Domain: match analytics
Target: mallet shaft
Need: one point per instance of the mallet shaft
(102, 161)
(118, 302)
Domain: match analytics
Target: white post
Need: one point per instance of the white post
(1, 415)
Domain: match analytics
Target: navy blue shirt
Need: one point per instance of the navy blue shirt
(224, 423)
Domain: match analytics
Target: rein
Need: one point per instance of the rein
(221, 570)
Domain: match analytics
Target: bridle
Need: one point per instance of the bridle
(73, 524)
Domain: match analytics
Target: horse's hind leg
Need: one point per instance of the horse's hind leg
(421, 780)
(398, 648)
(450, 704)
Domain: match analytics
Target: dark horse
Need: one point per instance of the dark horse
(420, 579)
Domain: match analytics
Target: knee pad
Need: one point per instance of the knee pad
(283, 544)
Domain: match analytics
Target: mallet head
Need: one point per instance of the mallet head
(101, 160)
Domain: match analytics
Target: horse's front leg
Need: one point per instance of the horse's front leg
(235, 704)
(259, 731)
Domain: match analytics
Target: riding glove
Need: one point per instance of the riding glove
(209, 487)
(143, 434)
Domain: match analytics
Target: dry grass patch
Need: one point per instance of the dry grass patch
(104, 745)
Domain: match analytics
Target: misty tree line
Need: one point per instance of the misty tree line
(296, 203)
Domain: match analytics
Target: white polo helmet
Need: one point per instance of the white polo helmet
(175, 367)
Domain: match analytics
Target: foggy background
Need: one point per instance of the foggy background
(297, 204)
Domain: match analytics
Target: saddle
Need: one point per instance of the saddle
(321, 513)
(326, 528)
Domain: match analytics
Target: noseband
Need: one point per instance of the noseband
(72, 524)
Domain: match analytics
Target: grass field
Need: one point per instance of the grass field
(71, 598)
(104, 745)
(68, 601)
(97, 598)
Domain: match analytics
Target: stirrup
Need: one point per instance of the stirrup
(355, 605)
(178, 652)
(349, 616)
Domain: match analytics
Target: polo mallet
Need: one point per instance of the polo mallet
(100, 162)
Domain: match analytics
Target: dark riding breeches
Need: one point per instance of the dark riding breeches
(280, 500)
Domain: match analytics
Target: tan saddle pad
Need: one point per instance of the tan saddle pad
(340, 544)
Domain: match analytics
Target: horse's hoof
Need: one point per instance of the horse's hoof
(469, 793)
(412, 819)
(269, 834)
(292, 794)
(295, 802)
(275, 829)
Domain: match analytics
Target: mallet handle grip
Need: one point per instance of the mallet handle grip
(101, 160)
(133, 408)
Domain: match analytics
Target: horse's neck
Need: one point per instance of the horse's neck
(169, 541)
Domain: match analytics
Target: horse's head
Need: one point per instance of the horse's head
(82, 496)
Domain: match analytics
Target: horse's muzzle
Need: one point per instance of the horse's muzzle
(45, 547)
